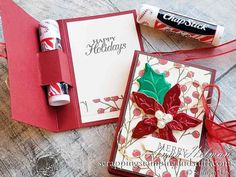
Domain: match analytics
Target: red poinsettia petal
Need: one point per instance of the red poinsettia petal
(187, 121)
(175, 125)
(171, 100)
(142, 129)
(166, 134)
(150, 121)
(148, 104)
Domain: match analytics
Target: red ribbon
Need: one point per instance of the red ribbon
(3, 53)
(217, 133)
(199, 54)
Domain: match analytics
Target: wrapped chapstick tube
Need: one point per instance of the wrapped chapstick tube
(50, 39)
(186, 26)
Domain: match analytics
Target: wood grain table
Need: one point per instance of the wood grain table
(26, 151)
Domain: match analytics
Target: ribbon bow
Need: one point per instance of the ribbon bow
(217, 134)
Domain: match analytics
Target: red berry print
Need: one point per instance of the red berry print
(157, 160)
(136, 112)
(136, 169)
(194, 110)
(107, 99)
(196, 94)
(177, 65)
(113, 109)
(141, 73)
(183, 88)
(100, 110)
(136, 153)
(148, 157)
(115, 98)
(149, 173)
(187, 100)
(166, 174)
(196, 84)
(122, 139)
(195, 134)
(190, 74)
(183, 173)
(163, 62)
(96, 100)
(173, 161)
(167, 73)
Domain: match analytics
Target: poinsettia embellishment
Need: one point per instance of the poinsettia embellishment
(165, 117)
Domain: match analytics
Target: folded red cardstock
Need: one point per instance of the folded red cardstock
(160, 132)
(94, 74)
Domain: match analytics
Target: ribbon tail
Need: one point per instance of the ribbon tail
(199, 54)
(220, 159)
(3, 52)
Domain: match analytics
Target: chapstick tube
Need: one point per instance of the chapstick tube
(50, 39)
(186, 26)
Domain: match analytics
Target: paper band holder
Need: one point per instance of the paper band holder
(54, 67)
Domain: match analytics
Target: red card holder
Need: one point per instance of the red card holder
(30, 70)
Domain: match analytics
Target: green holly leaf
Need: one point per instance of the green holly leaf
(153, 84)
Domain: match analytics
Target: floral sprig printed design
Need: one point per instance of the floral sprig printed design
(191, 93)
(108, 104)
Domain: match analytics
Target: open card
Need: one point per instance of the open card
(161, 132)
(101, 58)
(95, 61)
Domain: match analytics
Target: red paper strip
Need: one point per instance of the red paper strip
(3, 53)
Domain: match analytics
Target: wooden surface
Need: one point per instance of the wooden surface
(26, 151)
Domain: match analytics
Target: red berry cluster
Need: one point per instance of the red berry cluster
(108, 105)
